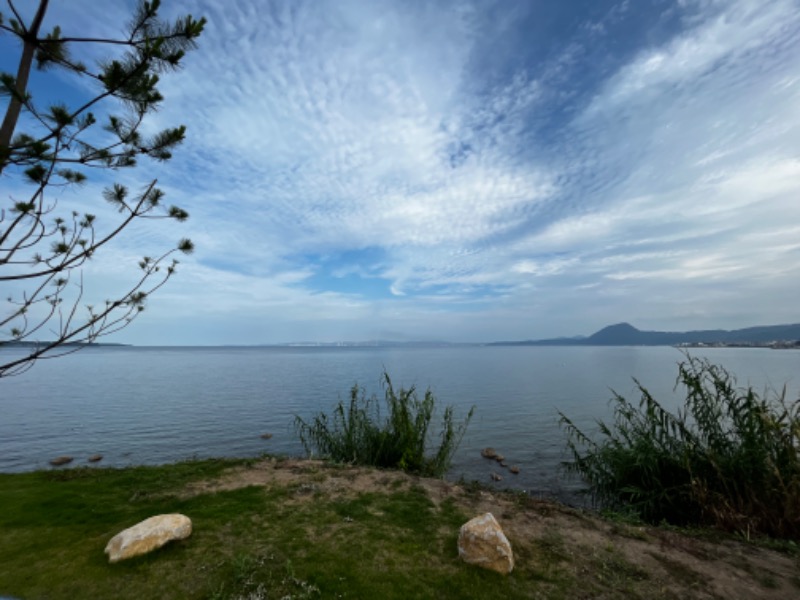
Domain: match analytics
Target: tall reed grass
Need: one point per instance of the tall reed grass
(729, 458)
(357, 433)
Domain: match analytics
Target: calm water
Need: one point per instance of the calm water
(156, 405)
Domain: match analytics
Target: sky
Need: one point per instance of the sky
(461, 171)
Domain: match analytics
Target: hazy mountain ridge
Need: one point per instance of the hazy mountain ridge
(620, 334)
(625, 334)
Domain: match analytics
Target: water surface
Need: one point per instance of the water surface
(156, 405)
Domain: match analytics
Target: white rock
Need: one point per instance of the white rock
(148, 535)
(482, 542)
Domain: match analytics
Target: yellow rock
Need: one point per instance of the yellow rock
(147, 536)
(481, 542)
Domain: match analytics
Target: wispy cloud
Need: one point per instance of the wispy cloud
(441, 170)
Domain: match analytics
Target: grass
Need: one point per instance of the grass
(729, 458)
(253, 542)
(357, 433)
(320, 534)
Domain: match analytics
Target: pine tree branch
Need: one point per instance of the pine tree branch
(23, 73)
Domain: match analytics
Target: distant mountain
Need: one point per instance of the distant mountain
(625, 334)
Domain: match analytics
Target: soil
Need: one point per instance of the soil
(674, 563)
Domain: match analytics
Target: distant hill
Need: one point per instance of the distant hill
(625, 334)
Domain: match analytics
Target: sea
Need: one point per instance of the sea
(155, 405)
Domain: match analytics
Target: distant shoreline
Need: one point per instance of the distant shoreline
(15, 344)
(775, 345)
(782, 337)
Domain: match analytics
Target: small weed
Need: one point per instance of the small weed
(303, 589)
(626, 524)
(679, 572)
(472, 487)
(767, 581)
(761, 575)
(613, 569)
(553, 546)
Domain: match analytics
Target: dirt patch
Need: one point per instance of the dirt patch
(646, 561)
(304, 477)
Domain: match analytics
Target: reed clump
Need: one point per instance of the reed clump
(729, 458)
(357, 433)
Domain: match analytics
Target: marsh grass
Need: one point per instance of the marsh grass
(358, 433)
(729, 458)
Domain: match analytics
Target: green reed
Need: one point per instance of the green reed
(729, 458)
(357, 433)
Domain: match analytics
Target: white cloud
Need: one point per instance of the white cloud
(322, 129)
(734, 34)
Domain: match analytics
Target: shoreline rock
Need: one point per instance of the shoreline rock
(481, 542)
(148, 535)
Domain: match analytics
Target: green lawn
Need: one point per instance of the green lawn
(314, 530)
(254, 541)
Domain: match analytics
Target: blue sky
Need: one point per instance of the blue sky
(467, 171)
